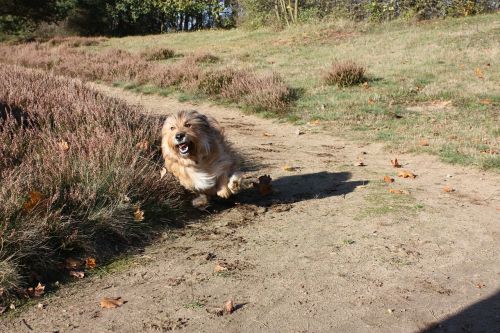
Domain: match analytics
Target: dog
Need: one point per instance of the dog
(197, 153)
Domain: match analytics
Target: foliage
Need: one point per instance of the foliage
(346, 73)
(285, 12)
(74, 167)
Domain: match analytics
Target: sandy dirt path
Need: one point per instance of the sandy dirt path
(330, 251)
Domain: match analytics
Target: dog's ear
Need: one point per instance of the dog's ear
(214, 124)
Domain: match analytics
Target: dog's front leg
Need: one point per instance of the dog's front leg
(223, 190)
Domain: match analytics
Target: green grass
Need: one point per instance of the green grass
(413, 69)
(379, 202)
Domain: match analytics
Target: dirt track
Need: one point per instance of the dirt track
(331, 251)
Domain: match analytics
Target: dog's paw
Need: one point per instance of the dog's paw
(235, 183)
(224, 193)
(201, 202)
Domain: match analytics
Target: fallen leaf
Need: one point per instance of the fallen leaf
(219, 268)
(219, 312)
(264, 185)
(39, 290)
(315, 122)
(42, 305)
(139, 214)
(388, 179)
(395, 191)
(90, 263)
(228, 307)
(163, 172)
(298, 131)
(143, 145)
(485, 101)
(34, 199)
(267, 134)
(479, 73)
(289, 168)
(111, 302)
(395, 163)
(423, 143)
(448, 189)
(406, 174)
(77, 274)
(371, 101)
(63, 145)
(72, 263)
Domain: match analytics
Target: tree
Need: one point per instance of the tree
(32, 12)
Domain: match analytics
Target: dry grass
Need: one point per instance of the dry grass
(344, 74)
(158, 54)
(188, 74)
(74, 166)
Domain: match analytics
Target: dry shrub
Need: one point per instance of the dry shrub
(76, 41)
(248, 88)
(158, 54)
(345, 73)
(74, 165)
(204, 58)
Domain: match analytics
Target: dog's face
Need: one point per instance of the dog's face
(189, 134)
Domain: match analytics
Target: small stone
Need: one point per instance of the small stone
(390, 310)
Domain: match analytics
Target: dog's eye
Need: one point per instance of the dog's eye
(172, 128)
(187, 125)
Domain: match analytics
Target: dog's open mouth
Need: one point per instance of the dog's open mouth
(183, 148)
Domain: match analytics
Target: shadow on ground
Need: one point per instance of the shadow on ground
(480, 317)
(296, 188)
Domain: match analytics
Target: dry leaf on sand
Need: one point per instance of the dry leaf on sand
(423, 143)
(111, 302)
(264, 185)
(219, 268)
(290, 168)
(388, 179)
(406, 174)
(228, 307)
(395, 163)
(448, 189)
(396, 191)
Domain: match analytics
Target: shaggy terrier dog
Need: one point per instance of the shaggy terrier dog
(196, 151)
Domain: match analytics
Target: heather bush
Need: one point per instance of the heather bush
(204, 57)
(74, 167)
(158, 54)
(190, 73)
(345, 73)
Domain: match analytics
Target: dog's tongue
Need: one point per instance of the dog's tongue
(183, 147)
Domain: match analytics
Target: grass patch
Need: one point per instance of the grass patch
(74, 167)
(415, 70)
(379, 202)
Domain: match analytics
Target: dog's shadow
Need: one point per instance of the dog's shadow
(296, 188)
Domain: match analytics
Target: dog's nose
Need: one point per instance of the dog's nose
(180, 136)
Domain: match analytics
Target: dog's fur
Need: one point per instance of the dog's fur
(195, 151)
